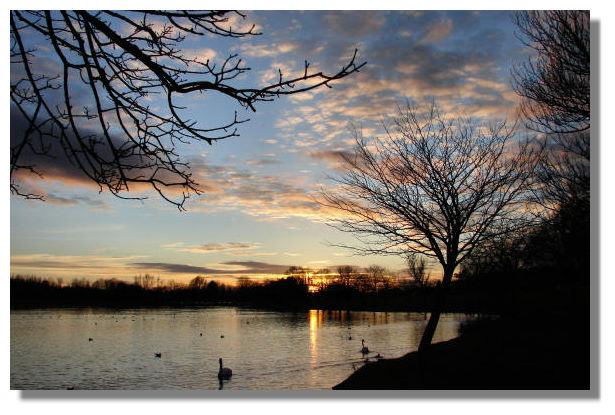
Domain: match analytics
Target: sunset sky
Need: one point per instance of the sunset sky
(257, 215)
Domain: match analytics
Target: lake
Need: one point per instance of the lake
(50, 348)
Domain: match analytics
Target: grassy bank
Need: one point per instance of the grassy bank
(537, 350)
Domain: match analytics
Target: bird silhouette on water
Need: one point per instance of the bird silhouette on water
(158, 355)
(224, 372)
(364, 349)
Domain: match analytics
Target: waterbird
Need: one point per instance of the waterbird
(201, 334)
(224, 372)
(222, 336)
(158, 354)
(378, 356)
(90, 339)
(349, 337)
(364, 349)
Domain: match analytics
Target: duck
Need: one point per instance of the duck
(364, 349)
(224, 372)
(90, 339)
(158, 355)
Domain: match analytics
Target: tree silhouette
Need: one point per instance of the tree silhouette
(433, 185)
(87, 97)
(416, 268)
(556, 86)
(555, 82)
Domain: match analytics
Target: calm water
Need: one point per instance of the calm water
(266, 350)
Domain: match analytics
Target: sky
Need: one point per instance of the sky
(258, 214)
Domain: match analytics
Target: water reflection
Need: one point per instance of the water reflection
(314, 318)
(267, 350)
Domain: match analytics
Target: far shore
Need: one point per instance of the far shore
(499, 297)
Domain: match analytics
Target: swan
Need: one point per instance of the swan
(224, 372)
(364, 349)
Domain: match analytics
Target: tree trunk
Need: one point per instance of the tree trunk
(430, 329)
(437, 310)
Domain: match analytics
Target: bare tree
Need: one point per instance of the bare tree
(88, 95)
(376, 277)
(416, 268)
(564, 172)
(556, 86)
(346, 274)
(435, 186)
(555, 81)
(198, 283)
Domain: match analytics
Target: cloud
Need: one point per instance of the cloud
(334, 158)
(438, 31)
(354, 23)
(266, 160)
(262, 195)
(232, 268)
(209, 248)
(49, 158)
(72, 265)
(97, 266)
(464, 75)
(55, 199)
(268, 50)
(200, 54)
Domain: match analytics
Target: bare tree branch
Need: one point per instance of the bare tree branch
(555, 82)
(97, 106)
(434, 186)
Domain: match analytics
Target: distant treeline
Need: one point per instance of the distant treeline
(499, 293)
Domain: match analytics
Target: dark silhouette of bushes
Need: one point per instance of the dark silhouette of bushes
(285, 293)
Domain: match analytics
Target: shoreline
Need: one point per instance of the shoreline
(502, 354)
(255, 306)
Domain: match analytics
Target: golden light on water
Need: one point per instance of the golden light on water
(315, 319)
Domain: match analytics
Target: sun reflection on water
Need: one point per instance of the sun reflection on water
(315, 318)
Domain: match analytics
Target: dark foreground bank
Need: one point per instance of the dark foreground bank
(525, 352)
